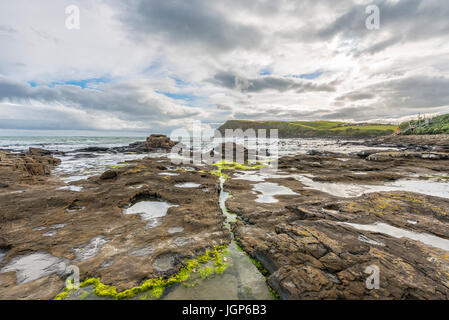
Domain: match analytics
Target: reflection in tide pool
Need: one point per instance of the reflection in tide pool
(150, 211)
(241, 280)
(34, 266)
(175, 230)
(257, 175)
(425, 238)
(79, 166)
(268, 190)
(431, 188)
(71, 188)
(187, 185)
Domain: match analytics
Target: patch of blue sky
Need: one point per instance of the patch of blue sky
(154, 67)
(186, 99)
(309, 76)
(179, 82)
(83, 83)
(265, 72)
(178, 96)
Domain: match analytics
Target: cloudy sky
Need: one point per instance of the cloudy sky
(152, 65)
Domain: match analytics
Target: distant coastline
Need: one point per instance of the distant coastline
(314, 129)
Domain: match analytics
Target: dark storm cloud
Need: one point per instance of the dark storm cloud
(395, 99)
(223, 107)
(386, 100)
(281, 84)
(381, 45)
(194, 22)
(355, 96)
(406, 20)
(275, 113)
(413, 92)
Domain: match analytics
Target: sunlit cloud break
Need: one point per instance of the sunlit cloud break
(157, 65)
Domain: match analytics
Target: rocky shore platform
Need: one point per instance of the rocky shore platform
(46, 226)
(330, 221)
(317, 227)
(436, 143)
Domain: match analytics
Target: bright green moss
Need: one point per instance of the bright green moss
(206, 272)
(219, 174)
(260, 267)
(221, 268)
(84, 295)
(103, 290)
(118, 166)
(230, 212)
(156, 286)
(273, 293)
(157, 292)
(227, 165)
(62, 295)
(238, 244)
(90, 282)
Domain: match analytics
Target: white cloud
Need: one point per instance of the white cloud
(176, 48)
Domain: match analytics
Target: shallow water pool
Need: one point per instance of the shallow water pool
(381, 227)
(346, 190)
(187, 185)
(268, 190)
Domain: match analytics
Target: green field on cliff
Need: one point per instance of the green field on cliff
(436, 125)
(291, 129)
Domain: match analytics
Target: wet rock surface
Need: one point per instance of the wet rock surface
(35, 162)
(316, 224)
(153, 143)
(437, 142)
(90, 229)
(312, 251)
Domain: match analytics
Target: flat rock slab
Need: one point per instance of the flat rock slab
(97, 235)
(318, 244)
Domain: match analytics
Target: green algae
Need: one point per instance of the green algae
(229, 165)
(62, 295)
(220, 269)
(118, 166)
(84, 295)
(156, 287)
(259, 267)
(69, 286)
(273, 293)
(206, 272)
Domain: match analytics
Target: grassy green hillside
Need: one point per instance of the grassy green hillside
(289, 129)
(435, 125)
